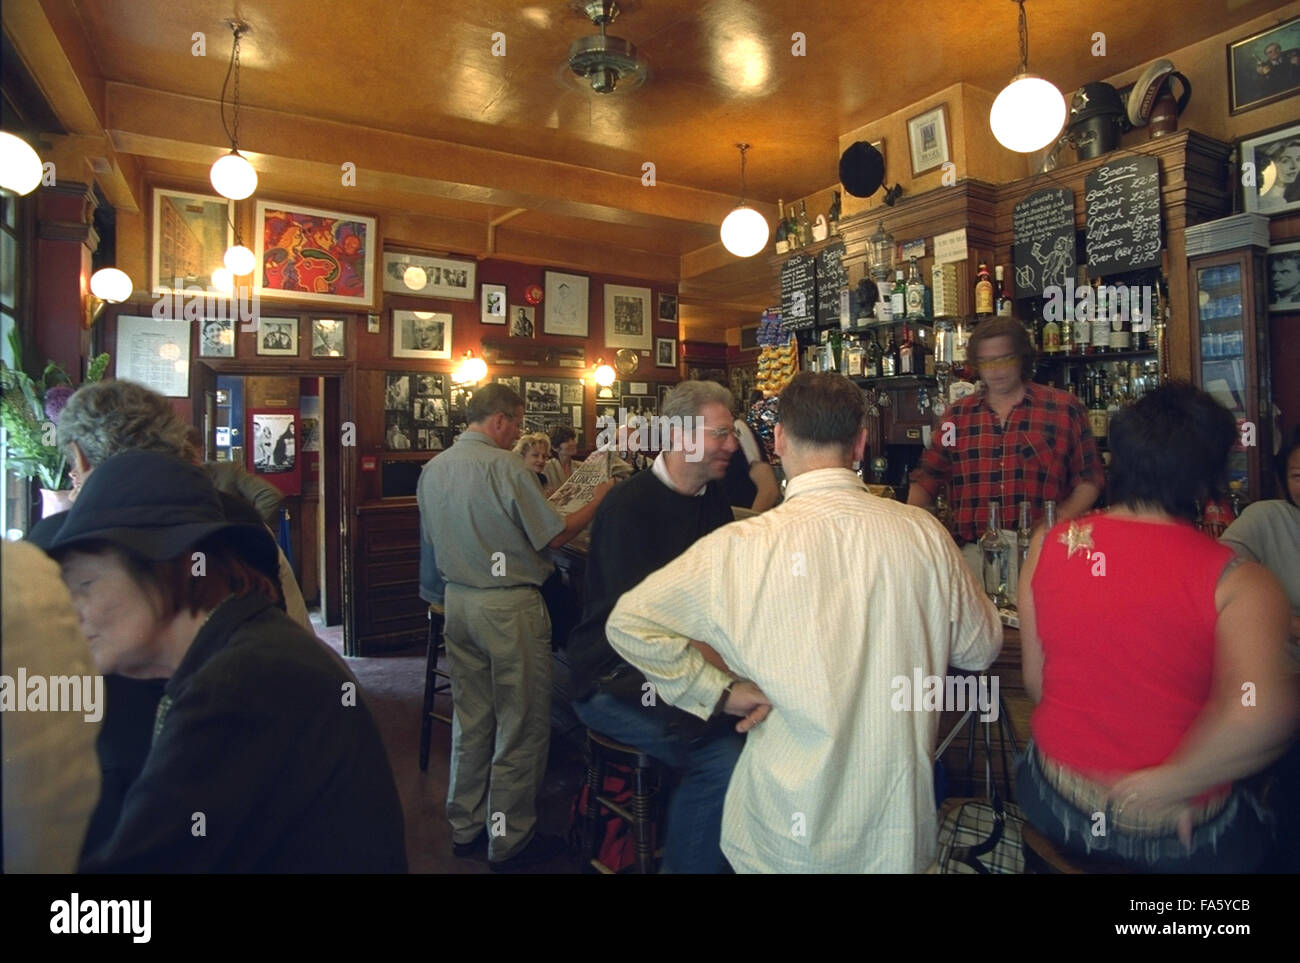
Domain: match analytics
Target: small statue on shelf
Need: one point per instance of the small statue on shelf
(868, 295)
(833, 215)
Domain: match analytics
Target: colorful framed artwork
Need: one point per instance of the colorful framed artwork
(421, 334)
(1284, 278)
(306, 254)
(191, 233)
(566, 304)
(627, 317)
(1264, 67)
(327, 338)
(927, 135)
(522, 321)
(217, 338)
(1275, 160)
(277, 336)
(493, 298)
(665, 352)
(425, 276)
(668, 307)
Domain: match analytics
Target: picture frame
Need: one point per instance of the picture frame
(663, 394)
(274, 441)
(422, 334)
(665, 352)
(191, 233)
(510, 381)
(1264, 67)
(668, 307)
(927, 138)
(1264, 152)
(328, 338)
(492, 301)
(1284, 278)
(277, 336)
(424, 276)
(523, 321)
(337, 268)
(154, 352)
(566, 304)
(217, 338)
(627, 317)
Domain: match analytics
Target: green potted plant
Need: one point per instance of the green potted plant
(29, 411)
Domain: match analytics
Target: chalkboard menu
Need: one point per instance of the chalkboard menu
(1122, 202)
(832, 278)
(1044, 241)
(799, 293)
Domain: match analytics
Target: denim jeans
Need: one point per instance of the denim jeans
(692, 837)
(1236, 840)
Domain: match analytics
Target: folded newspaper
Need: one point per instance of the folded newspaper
(599, 467)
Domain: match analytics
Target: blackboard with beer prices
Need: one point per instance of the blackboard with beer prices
(1122, 204)
(1044, 241)
(799, 292)
(832, 278)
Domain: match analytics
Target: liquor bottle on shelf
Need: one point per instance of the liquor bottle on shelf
(1101, 320)
(905, 353)
(1049, 514)
(916, 293)
(1022, 534)
(1098, 419)
(1234, 498)
(889, 359)
(792, 229)
(873, 358)
(782, 244)
(898, 296)
(805, 226)
(997, 559)
(836, 340)
(853, 352)
(1051, 337)
(1121, 324)
(1002, 304)
(1081, 328)
(943, 338)
(983, 291)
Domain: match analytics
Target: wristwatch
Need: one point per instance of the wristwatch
(722, 699)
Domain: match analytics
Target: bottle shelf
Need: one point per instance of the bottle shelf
(1061, 357)
(895, 381)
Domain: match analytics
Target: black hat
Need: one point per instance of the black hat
(158, 507)
(862, 169)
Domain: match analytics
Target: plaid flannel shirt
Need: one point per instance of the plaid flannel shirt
(1043, 453)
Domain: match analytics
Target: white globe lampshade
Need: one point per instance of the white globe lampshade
(415, 277)
(20, 167)
(233, 176)
(223, 280)
(745, 232)
(111, 285)
(240, 260)
(470, 371)
(1028, 114)
(604, 375)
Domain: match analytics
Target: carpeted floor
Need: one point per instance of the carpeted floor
(393, 686)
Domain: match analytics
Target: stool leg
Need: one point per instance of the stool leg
(641, 823)
(595, 783)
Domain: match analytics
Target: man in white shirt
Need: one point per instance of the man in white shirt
(819, 606)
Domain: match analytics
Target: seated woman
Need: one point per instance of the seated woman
(564, 445)
(534, 449)
(1173, 688)
(265, 757)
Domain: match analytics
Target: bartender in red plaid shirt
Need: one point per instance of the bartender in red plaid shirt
(1013, 441)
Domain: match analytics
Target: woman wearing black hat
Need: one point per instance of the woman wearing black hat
(264, 756)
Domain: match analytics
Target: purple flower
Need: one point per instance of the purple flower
(56, 398)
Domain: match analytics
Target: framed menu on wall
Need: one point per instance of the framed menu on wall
(154, 353)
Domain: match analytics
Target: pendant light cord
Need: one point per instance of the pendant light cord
(743, 189)
(1024, 39)
(232, 129)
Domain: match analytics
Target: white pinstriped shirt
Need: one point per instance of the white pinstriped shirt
(822, 601)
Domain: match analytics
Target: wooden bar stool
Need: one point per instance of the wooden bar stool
(647, 778)
(432, 685)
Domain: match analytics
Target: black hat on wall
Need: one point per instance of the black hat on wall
(862, 169)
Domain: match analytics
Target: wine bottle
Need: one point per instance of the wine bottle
(1101, 319)
(805, 226)
(1003, 304)
(898, 296)
(905, 356)
(983, 291)
(792, 229)
(997, 561)
(874, 355)
(782, 245)
(889, 359)
(1121, 325)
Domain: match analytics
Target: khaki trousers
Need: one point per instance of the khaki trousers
(499, 647)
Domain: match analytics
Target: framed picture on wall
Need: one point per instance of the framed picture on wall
(565, 304)
(665, 352)
(493, 303)
(421, 334)
(155, 353)
(217, 338)
(667, 307)
(327, 338)
(627, 317)
(424, 276)
(1284, 278)
(277, 336)
(927, 135)
(663, 394)
(1264, 67)
(274, 441)
(1276, 163)
(191, 233)
(308, 254)
(522, 321)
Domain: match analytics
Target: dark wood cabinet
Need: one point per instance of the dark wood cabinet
(388, 609)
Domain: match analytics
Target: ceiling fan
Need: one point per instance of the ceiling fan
(606, 63)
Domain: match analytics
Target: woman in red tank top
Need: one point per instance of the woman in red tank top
(1156, 660)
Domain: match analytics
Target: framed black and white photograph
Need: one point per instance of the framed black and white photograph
(217, 338)
(420, 275)
(510, 381)
(663, 394)
(667, 307)
(397, 392)
(665, 352)
(399, 433)
(1284, 278)
(522, 321)
(571, 394)
(421, 334)
(277, 336)
(541, 396)
(627, 317)
(327, 337)
(927, 135)
(1274, 161)
(431, 385)
(275, 443)
(565, 304)
(1264, 67)
(493, 303)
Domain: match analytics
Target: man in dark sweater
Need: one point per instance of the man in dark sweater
(643, 524)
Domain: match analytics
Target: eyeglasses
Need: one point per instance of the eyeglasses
(1002, 362)
(723, 433)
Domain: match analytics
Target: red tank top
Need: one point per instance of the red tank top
(1127, 629)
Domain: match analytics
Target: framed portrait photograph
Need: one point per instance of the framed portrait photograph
(510, 381)
(1264, 67)
(327, 338)
(217, 338)
(155, 353)
(522, 321)
(667, 307)
(191, 233)
(927, 136)
(627, 317)
(1284, 277)
(565, 304)
(663, 394)
(494, 303)
(275, 442)
(424, 276)
(1276, 160)
(421, 334)
(308, 254)
(431, 385)
(277, 336)
(665, 352)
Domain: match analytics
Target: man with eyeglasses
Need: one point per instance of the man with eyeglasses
(644, 524)
(1013, 441)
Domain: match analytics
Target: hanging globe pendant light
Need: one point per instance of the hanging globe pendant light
(233, 176)
(1029, 112)
(744, 231)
